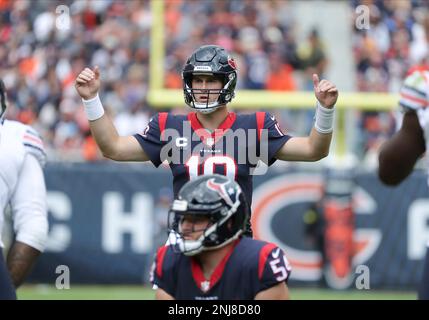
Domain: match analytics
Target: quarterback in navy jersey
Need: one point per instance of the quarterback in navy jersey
(194, 151)
(198, 144)
(209, 259)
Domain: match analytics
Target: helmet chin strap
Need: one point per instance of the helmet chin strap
(206, 108)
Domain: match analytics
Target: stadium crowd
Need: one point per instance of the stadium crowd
(40, 58)
(398, 39)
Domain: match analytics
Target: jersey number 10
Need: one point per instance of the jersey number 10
(208, 166)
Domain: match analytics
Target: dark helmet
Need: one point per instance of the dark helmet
(3, 104)
(210, 60)
(213, 196)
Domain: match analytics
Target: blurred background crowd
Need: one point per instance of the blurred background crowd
(39, 60)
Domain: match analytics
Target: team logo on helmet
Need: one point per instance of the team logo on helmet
(217, 198)
(220, 189)
(231, 62)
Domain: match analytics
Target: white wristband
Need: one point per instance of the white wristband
(324, 119)
(93, 108)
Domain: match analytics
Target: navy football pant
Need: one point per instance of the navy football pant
(7, 290)
(424, 284)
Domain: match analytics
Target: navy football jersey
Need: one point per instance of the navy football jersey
(250, 267)
(235, 149)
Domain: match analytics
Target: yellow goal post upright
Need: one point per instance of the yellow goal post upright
(160, 97)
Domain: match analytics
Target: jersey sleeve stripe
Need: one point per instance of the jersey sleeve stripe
(160, 255)
(263, 256)
(33, 133)
(260, 120)
(414, 100)
(30, 145)
(409, 105)
(162, 120)
(278, 129)
(413, 91)
(32, 139)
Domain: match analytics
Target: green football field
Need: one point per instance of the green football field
(80, 292)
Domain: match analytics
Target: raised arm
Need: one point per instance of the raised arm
(399, 154)
(316, 145)
(108, 140)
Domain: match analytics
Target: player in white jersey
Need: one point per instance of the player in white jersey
(399, 155)
(22, 187)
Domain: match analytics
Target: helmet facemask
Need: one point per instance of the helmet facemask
(224, 95)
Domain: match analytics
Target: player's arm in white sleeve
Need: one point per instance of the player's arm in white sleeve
(30, 221)
(103, 130)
